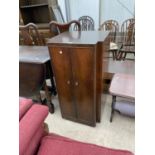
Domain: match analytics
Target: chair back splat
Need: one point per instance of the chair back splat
(29, 35)
(112, 26)
(128, 31)
(87, 23)
(128, 38)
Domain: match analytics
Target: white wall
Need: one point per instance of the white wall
(109, 9)
(63, 9)
(80, 8)
(112, 9)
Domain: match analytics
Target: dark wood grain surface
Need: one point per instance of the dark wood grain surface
(34, 69)
(76, 59)
(84, 83)
(112, 66)
(63, 76)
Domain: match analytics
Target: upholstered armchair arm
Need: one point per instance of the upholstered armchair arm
(30, 124)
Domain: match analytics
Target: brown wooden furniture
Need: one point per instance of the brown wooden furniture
(35, 11)
(29, 35)
(122, 85)
(112, 67)
(126, 30)
(128, 38)
(113, 27)
(34, 68)
(57, 28)
(77, 65)
(87, 23)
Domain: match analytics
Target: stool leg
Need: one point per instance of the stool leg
(112, 107)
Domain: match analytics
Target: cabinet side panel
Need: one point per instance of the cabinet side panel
(99, 56)
(83, 68)
(60, 60)
(101, 51)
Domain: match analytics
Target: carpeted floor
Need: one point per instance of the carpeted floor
(119, 134)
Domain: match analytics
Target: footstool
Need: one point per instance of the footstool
(122, 85)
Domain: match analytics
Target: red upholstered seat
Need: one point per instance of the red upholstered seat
(57, 145)
(33, 140)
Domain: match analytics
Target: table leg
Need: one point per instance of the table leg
(50, 72)
(112, 107)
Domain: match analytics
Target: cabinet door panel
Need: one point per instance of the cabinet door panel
(83, 68)
(60, 59)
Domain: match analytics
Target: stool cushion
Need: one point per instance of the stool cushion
(123, 85)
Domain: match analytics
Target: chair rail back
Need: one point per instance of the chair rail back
(128, 31)
(58, 28)
(112, 26)
(87, 23)
(29, 35)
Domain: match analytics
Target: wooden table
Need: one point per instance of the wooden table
(34, 69)
(113, 66)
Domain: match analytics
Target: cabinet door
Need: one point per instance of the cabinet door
(60, 59)
(83, 68)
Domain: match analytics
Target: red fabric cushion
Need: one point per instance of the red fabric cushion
(57, 145)
(24, 105)
(29, 125)
(35, 141)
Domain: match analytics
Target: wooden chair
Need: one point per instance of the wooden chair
(128, 38)
(29, 35)
(87, 23)
(58, 28)
(113, 27)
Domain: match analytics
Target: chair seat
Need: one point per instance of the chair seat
(129, 49)
(113, 46)
(57, 145)
(123, 85)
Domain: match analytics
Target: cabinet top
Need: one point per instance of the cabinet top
(79, 37)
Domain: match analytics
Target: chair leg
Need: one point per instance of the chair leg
(124, 56)
(48, 103)
(113, 55)
(119, 55)
(112, 107)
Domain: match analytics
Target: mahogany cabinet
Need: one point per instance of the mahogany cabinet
(77, 65)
